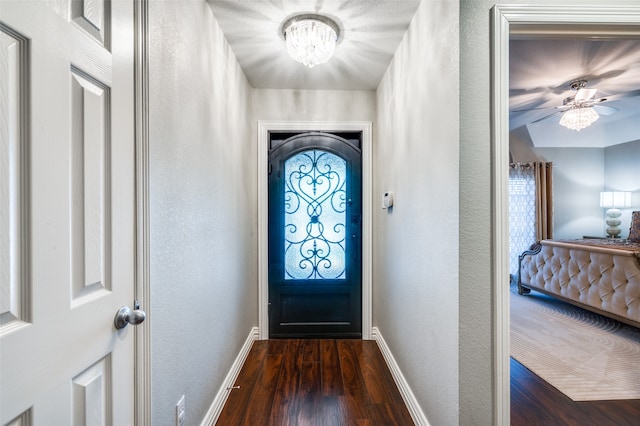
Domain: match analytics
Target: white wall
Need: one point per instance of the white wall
(579, 174)
(314, 105)
(476, 300)
(578, 178)
(622, 173)
(415, 277)
(203, 208)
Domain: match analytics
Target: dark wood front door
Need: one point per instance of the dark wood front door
(315, 235)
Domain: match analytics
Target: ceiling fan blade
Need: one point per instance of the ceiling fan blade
(605, 110)
(530, 109)
(545, 117)
(630, 94)
(583, 95)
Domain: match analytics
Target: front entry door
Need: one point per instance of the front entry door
(67, 212)
(315, 234)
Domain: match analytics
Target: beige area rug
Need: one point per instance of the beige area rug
(585, 356)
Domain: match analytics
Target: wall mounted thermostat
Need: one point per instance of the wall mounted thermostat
(387, 200)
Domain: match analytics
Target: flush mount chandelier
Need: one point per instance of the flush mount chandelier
(580, 113)
(311, 39)
(579, 117)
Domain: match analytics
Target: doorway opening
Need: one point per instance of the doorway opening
(610, 21)
(265, 129)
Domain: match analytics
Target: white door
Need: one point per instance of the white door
(67, 212)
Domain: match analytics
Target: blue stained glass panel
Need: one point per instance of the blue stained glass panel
(314, 216)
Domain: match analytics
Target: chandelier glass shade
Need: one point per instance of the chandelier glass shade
(311, 39)
(579, 117)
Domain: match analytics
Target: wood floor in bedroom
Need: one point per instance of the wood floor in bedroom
(315, 382)
(536, 402)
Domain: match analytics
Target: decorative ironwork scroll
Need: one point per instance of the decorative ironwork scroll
(315, 213)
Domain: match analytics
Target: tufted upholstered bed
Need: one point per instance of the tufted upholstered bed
(602, 275)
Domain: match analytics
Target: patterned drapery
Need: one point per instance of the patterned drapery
(530, 207)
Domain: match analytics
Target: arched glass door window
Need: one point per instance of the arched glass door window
(315, 214)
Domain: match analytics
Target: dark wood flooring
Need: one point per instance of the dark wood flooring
(315, 382)
(347, 383)
(535, 402)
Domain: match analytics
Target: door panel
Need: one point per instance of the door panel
(315, 236)
(68, 240)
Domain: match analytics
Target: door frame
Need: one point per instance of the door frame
(142, 290)
(264, 128)
(547, 21)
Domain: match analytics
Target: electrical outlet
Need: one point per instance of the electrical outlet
(180, 412)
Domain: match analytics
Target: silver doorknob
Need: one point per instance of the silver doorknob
(126, 316)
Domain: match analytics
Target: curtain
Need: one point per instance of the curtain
(530, 207)
(544, 200)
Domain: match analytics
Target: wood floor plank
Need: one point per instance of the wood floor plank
(277, 346)
(309, 394)
(331, 411)
(259, 410)
(331, 371)
(311, 350)
(285, 402)
(383, 392)
(239, 399)
(355, 395)
(388, 414)
(372, 370)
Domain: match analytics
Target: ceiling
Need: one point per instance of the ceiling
(370, 33)
(541, 68)
(541, 71)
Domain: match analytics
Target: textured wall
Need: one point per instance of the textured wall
(415, 279)
(203, 208)
(314, 105)
(578, 178)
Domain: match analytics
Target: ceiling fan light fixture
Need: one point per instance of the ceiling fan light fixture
(311, 39)
(579, 117)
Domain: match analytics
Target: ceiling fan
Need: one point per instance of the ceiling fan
(583, 98)
(582, 109)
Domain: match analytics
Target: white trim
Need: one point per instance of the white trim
(217, 405)
(500, 209)
(407, 394)
(264, 127)
(523, 20)
(142, 360)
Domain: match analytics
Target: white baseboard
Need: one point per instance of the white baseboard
(220, 399)
(407, 395)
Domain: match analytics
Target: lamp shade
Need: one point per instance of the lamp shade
(612, 199)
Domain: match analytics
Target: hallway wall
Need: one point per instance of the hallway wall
(203, 209)
(415, 277)
(314, 105)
